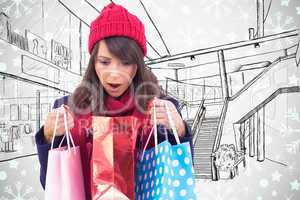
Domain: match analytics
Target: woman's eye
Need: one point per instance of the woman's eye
(103, 62)
(126, 63)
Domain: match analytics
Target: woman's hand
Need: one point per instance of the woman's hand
(50, 123)
(162, 117)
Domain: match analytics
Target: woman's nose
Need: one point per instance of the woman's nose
(114, 71)
(114, 74)
(116, 66)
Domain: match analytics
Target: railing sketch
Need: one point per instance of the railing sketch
(264, 71)
(198, 121)
(255, 120)
(214, 169)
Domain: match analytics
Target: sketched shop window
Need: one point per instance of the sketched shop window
(14, 112)
(24, 112)
(32, 112)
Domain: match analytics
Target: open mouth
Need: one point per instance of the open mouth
(114, 85)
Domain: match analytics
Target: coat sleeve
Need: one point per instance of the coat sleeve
(188, 132)
(43, 148)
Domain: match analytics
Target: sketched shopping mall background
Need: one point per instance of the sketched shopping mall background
(233, 66)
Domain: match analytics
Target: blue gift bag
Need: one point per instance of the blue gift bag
(165, 172)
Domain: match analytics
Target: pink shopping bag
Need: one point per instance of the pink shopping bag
(64, 179)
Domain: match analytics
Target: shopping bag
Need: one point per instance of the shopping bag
(113, 157)
(165, 171)
(64, 179)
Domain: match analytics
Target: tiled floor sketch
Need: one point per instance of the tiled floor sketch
(233, 65)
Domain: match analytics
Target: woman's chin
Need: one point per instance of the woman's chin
(115, 94)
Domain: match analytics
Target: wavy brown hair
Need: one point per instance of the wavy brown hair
(89, 96)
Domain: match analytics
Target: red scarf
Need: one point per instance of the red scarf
(125, 105)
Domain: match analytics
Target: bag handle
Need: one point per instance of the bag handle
(154, 129)
(55, 127)
(67, 133)
(172, 124)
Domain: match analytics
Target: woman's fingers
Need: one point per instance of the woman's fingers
(161, 118)
(161, 109)
(161, 113)
(163, 122)
(60, 130)
(57, 116)
(158, 109)
(160, 106)
(158, 102)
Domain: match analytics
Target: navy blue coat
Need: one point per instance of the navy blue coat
(43, 148)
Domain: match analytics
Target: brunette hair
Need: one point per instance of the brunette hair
(89, 96)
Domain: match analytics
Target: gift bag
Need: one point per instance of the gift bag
(113, 157)
(64, 179)
(165, 171)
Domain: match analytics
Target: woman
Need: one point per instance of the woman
(116, 83)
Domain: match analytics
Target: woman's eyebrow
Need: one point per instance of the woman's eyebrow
(103, 57)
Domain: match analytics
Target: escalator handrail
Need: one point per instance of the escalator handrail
(198, 115)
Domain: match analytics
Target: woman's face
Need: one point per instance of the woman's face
(114, 74)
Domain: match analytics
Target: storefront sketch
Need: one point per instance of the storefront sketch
(29, 89)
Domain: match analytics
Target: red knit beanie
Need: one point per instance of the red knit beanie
(115, 20)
